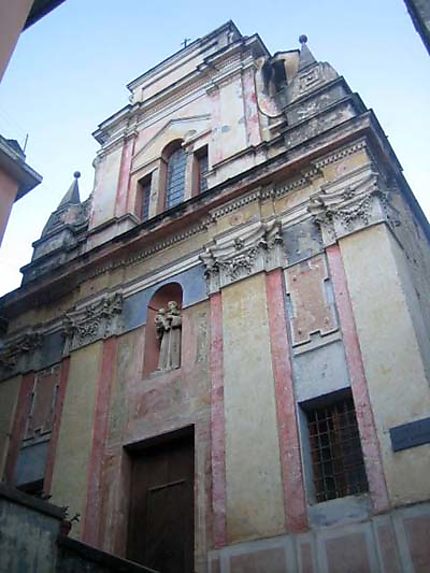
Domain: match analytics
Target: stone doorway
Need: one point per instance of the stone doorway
(161, 514)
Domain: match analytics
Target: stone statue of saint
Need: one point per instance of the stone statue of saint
(168, 324)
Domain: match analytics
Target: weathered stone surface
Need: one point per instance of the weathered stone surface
(310, 310)
(417, 532)
(272, 560)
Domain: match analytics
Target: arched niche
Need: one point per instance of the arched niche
(160, 299)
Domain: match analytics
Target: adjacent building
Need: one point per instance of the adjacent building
(419, 11)
(220, 360)
(16, 178)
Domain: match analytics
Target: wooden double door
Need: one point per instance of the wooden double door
(161, 518)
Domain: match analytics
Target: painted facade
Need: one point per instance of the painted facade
(298, 259)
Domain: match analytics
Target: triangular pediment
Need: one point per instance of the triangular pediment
(178, 128)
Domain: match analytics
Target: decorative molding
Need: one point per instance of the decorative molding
(263, 193)
(236, 204)
(243, 254)
(341, 154)
(276, 191)
(306, 177)
(155, 248)
(352, 206)
(17, 352)
(99, 319)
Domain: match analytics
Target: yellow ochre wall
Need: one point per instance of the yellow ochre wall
(399, 390)
(253, 471)
(69, 485)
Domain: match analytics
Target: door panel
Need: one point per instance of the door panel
(161, 520)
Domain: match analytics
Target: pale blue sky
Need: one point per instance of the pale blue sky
(69, 72)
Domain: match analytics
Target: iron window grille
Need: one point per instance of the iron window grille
(337, 459)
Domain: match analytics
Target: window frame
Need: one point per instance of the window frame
(175, 177)
(200, 155)
(313, 460)
(143, 198)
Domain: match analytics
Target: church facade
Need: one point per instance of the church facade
(220, 360)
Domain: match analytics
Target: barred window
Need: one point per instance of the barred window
(175, 178)
(337, 459)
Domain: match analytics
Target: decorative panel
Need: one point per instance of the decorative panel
(311, 309)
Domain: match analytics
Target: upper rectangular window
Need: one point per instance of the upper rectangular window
(202, 168)
(335, 448)
(143, 199)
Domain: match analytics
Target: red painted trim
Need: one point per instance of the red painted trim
(369, 439)
(289, 444)
(124, 177)
(52, 447)
(18, 430)
(218, 424)
(91, 521)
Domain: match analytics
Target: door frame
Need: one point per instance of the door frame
(135, 449)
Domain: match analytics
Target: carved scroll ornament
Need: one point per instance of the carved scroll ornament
(96, 320)
(235, 257)
(339, 213)
(16, 351)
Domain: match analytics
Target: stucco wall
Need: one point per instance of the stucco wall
(412, 254)
(28, 536)
(13, 17)
(399, 390)
(253, 470)
(105, 187)
(8, 190)
(145, 406)
(69, 483)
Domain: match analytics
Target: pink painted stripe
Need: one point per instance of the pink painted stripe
(124, 177)
(91, 522)
(366, 423)
(218, 424)
(291, 465)
(52, 449)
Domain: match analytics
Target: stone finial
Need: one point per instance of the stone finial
(72, 195)
(306, 57)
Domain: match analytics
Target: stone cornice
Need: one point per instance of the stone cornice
(82, 324)
(73, 321)
(187, 53)
(298, 182)
(165, 229)
(154, 248)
